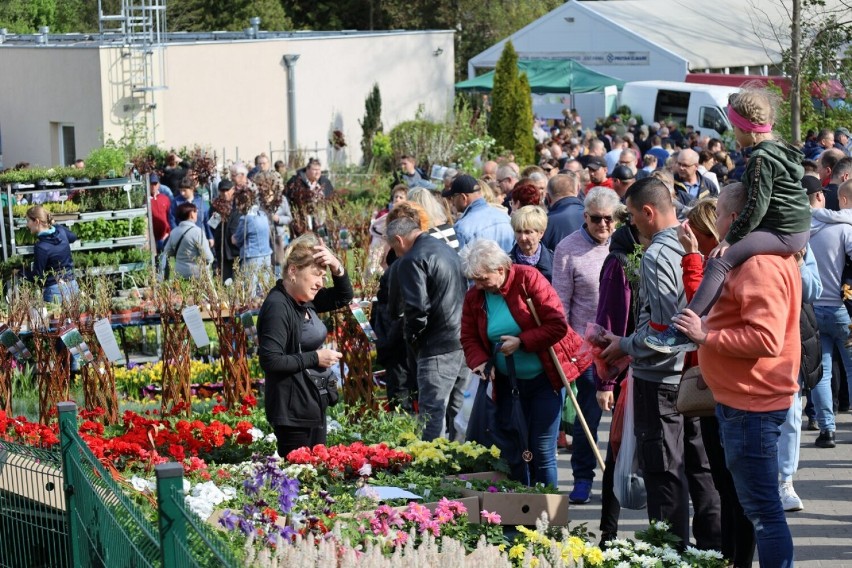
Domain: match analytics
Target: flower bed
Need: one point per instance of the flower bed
(295, 508)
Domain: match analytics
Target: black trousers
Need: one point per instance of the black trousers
(674, 465)
(290, 438)
(738, 539)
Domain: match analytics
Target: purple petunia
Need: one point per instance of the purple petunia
(229, 520)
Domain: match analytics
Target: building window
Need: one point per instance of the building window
(67, 146)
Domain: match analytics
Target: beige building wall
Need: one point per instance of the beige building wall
(228, 95)
(233, 96)
(43, 88)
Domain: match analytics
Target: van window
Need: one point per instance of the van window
(672, 105)
(712, 118)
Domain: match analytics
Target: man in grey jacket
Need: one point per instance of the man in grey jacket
(671, 453)
(831, 242)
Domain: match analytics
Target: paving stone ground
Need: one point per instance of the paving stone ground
(822, 532)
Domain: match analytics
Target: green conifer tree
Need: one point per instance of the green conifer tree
(501, 120)
(371, 124)
(523, 142)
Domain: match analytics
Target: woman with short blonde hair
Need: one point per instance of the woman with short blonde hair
(529, 223)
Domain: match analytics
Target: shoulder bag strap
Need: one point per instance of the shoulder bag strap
(180, 240)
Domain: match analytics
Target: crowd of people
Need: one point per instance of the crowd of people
(498, 277)
(665, 239)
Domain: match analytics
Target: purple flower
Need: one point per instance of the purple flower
(229, 520)
(246, 526)
(288, 534)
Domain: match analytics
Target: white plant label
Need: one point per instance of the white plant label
(195, 324)
(103, 331)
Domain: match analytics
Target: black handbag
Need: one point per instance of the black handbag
(325, 383)
(488, 427)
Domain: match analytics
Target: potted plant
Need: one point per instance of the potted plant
(122, 310)
(107, 162)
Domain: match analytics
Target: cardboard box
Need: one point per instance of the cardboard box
(513, 508)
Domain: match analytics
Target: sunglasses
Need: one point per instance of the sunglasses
(597, 219)
(547, 169)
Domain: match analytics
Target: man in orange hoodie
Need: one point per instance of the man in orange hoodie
(750, 356)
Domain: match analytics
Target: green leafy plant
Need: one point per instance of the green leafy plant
(109, 161)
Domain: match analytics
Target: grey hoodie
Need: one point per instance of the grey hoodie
(831, 243)
(661, 296)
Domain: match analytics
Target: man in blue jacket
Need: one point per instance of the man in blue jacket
(566, 209)
(478, 220)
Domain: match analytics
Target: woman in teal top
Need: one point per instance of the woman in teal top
(496, 312)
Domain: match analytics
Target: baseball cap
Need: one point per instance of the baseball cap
(154, 178)
(811, 184)
(462, 184)
(595, 163)
(843, 131)
(226, 185)
(622, 173)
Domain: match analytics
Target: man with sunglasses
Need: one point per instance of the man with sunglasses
(577, 263)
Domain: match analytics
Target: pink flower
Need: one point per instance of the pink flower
(491, 518)
(492, 489)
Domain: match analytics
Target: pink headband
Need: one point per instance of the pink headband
(745, 124)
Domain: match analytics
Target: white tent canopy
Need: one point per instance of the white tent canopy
(656, 39)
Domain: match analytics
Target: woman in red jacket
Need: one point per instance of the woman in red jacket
(495, 312)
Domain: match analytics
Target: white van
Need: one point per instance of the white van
(702, 106)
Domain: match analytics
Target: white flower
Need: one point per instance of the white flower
(334, 425)
(623, 565)
(186, 486)
(366, 470)
(611, 554)
(256, 434)
(367, 492)
(204, 498)
(641, 546)
(270, 438)
(670, 556)
(142, 485)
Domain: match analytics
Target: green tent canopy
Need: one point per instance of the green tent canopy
(550, 76)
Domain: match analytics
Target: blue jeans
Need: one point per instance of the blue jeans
(437, 377)
(542, 406)
(61, 290)
(790, 439)
(583, 461)
(833, 324)
(750, 440)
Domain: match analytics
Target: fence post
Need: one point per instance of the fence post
(172, 523)
(70, 467)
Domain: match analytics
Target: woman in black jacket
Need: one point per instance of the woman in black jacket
(291, 338)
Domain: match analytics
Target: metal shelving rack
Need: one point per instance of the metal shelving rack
(13, 223)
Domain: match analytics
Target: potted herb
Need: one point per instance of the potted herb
(107, 162)
(122, 310)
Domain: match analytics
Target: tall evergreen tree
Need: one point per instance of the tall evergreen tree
(371, 124)
(501, 119)
(523, 142)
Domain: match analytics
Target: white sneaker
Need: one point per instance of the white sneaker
(789, 500)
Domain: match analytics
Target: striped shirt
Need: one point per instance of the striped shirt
(447, 234)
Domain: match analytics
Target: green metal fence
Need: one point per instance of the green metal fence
(106, 529)
(33, 525)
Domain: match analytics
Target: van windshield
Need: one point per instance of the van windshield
(714, 119)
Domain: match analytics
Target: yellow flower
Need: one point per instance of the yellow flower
(495, 452)
(533, 562)
(577, 547)
(517, 552)
(594, 556)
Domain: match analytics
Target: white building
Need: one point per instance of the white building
(636, 40)
(62, 94)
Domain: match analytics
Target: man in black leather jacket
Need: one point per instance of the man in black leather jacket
(432, 287)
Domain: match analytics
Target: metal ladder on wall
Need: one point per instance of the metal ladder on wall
(141, 29)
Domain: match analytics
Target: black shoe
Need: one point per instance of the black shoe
(825, 439)
(605, 538)
(812, 425)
